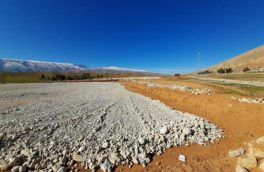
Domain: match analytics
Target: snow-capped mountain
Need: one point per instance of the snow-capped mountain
(15, 65)
(114, 68)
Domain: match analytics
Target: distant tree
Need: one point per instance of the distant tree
(246, 69)
(53, 78)
(225, 70)
(70, 78)
(221, 71)
(204, 72)
(86, 76)
(60, 77)
(177, 74)
(229, 70)
(43, 76)
(76, 77)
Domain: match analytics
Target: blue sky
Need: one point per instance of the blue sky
(154, 35)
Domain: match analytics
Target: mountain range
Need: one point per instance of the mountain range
(16, 66)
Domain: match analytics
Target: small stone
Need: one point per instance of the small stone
(18, 160)
(3, 165)
(105, 145)
(260, 140)
(63, 161)
(186, 131)
(142, 158)
(258, 153)
(81, 149)
(164, 130)
(77, 158)
(141, 140)
(236, 153)
(22, 168)
(26, 152)
(106, 166)
(2, 136)
(62, 169)
(134, 160)
(261, 165)
(15, 169)
(247, 161)
(239, 168)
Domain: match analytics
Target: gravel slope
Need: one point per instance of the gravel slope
(49, 126)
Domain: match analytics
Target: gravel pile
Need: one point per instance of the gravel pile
(194, 91)
(46, 127)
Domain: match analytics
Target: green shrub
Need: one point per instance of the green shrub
(246, 69)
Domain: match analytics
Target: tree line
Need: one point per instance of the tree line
(62, 77)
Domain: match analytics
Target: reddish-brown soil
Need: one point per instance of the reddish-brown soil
(241, 123)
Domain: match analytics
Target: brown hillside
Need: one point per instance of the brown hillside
(254, 59)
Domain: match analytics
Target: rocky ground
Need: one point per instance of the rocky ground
(194, 91)
(249, 100)
(52, 126)
(241, 122)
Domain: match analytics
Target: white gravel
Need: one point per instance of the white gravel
(46, 126)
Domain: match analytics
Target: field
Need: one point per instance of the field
(41, 77)
(247, 76)
(130, 125)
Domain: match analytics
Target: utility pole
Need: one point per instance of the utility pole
(198, 61)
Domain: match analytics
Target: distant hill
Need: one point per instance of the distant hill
(253, 59)
(14, 65)
(18, 66)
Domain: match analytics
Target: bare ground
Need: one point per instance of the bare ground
(241, 122)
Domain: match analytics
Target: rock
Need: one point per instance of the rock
(2, 136)
(106, 166)
(141, 140)
(186, 131)
(77, 158)
(261, 165)
(62, 169)
(33, 163)
(81, 149)
(15, 169)
(26, 152)
(17, 161)
(247, 161)
(3, 165)
(113, 158)
(134, 160)
(63, 161)
(236, 153)
(260, 140)
(142, 158)
(164, 130)
(258, 153)
(239, 168)
(22, 168)
(105, 145)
